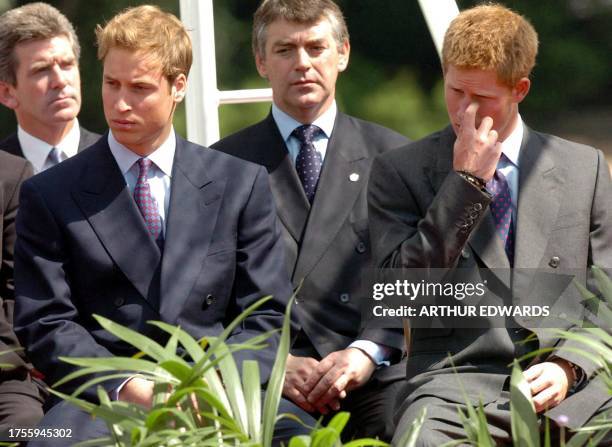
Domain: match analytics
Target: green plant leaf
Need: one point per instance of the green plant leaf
(525, 430)
(252, 395)
(300, 441)
(190, 344)
(409, 438)
(339, 421)
(604, 284)
(233, 386)
(136, 339)
(277, 377)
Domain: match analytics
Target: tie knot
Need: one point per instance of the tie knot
(144, 164)
(55, 156)
(498, 184)
(306, 133)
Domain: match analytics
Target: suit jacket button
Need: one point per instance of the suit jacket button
(119, 301)
(361, 247)
(465, 254)
(209, 299)
(554, 262)
(345, 297)
(478, 206)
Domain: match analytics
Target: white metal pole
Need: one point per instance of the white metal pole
(438, 15)
(202, 98)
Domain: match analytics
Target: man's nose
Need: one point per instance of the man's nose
(303, 60)
(59, 77)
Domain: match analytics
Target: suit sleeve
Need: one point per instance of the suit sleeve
(404, 235)
(8, 339)
(600, 254)
(260, 271)
(46, 320)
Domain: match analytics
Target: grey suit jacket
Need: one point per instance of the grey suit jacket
(425, 215)
(11, 143)
(327, 244)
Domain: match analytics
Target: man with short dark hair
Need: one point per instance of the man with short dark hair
(486, 193)
(319, 161)
(40, 82)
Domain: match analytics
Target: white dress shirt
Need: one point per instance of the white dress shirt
(36, 151)
(159, 174)
(286, 125)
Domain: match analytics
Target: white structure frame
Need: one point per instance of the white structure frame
(204, 98)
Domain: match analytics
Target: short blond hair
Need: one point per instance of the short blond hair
(147, 28)
(491, 37)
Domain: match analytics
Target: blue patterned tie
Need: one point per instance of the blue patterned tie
(145, 201)
(308, 162)
(501, 209)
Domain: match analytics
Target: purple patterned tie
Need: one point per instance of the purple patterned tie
(501, 209)
(308, 162)
(145, 201)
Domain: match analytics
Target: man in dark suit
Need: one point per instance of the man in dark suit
(39, 80)
(144, 226)
(21, 395)
(488, 192)
(319, 160)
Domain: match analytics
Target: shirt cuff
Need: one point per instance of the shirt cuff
(380, 354)
(114, 394)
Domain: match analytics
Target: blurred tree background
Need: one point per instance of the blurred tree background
(394, 76)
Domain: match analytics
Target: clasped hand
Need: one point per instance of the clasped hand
(320, 385)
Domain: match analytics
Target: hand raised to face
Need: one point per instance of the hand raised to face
(476, 150)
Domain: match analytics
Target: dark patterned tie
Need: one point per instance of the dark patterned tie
(308, 162)
(54, 157)
(145, 201)
(501, 209)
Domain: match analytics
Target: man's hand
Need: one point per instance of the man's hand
(549, 382)
(338, 373)
(476, 151)
(138, 391)
(299, 370)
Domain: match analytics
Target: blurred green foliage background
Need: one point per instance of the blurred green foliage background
(394, 76)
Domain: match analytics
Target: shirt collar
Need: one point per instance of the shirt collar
(37, 150)
(511, 146)
(286, 123)
(163, 156)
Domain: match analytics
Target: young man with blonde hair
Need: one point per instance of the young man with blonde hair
(154, 228)
(496, 195)
(40, 82)
(319, 160)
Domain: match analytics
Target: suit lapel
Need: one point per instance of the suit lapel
(336, 194)
(105, 199)
(540, 183)
(86, 138)
(11, 145)
(192, 214)
(538, 203)
(289, 197)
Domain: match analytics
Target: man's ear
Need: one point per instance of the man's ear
(7, 96)
(179, 87)
(344, 51)
(521, 89)
(260, 63)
